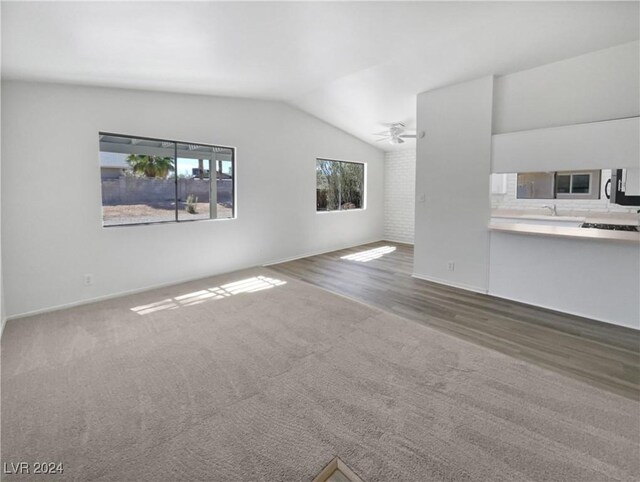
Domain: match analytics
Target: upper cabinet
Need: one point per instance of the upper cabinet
(613, 144)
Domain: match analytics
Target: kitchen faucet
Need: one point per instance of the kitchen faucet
(554, 211)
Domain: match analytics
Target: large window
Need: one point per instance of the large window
(156, 181)
(339, 185)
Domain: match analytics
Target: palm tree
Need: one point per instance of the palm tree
(150, 166)
(201, 169)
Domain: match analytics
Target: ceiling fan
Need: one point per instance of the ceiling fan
(395, 134)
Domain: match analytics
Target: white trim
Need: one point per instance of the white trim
(165, 223)
(316, 253)
(449, 283)
(119, 294)
(341, 211)
(336, 464)
(588, 316)
(399, 241)
(595, 181)
(364, 188)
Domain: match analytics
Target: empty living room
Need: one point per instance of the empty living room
(320, 241)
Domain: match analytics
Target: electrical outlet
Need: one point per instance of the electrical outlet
(451, 265)
(88, 279)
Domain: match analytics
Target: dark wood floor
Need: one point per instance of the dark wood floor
(604, 355)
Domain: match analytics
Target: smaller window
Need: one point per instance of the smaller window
(339, 185)
(578, 185)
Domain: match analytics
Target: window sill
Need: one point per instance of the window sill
(164, 223)
(341, 211)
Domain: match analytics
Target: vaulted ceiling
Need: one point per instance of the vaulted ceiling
(354, 65)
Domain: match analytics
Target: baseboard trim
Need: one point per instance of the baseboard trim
(111, 296)
(391, 240)
(120, 294)
(449, 283)
(568, 312)
(317, 253)
(134, 291)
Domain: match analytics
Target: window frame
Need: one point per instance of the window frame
(595, 187)
(175, 147)
(595, 177)
(364, 185)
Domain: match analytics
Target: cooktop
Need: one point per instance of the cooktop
(614, 227)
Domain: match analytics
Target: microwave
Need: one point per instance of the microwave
(624, 187)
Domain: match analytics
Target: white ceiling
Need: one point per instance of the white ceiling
(355, 65)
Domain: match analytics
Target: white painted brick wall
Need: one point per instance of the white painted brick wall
(399, 198)
(399, 195)
(565, 206)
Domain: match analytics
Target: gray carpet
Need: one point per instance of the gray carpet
(211, 381)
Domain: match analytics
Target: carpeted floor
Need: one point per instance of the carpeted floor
(255, 377)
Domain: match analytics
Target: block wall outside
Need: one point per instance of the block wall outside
(136, 190)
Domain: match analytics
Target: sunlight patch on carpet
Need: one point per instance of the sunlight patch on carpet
(249, 285)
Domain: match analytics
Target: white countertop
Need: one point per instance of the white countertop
(592, 217)
(567, 232)
(540, 217)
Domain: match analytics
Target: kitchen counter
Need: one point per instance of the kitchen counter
(566, 232)
(572, 217)
(539, 217)
(587, 272)
(551, 261)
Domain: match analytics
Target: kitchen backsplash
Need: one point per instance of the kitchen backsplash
(508, 200)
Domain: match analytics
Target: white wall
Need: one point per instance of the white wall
(3, 318)
(53, 236)
(597, 86)
(453, 166)
(399, 195)
(596, 279)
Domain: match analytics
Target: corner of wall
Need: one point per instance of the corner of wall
(3, 318)
(451, 239)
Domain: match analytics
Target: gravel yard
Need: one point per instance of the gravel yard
(156, 212)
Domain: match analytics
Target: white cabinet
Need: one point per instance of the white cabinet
(613, 144)
(498, 184)
(632, 182)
